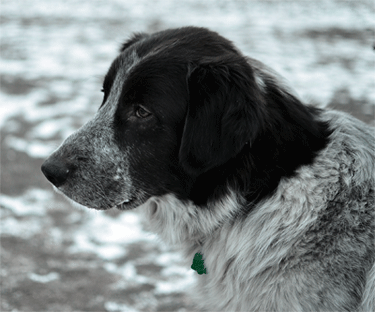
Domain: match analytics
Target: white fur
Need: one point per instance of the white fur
(244, 256)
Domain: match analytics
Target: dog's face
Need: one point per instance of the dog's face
(173, 110)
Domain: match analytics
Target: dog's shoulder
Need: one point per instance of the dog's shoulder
(352, 147)
(343, 168)
(335, 244)
(313, 235)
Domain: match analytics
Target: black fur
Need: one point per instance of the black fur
(231, 131)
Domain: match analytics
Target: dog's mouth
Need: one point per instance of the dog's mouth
(129, 203)
(125, 204)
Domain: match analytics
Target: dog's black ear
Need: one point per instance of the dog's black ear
(135, 38)
(225, 112)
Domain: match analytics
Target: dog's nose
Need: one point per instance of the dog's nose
(55, 171)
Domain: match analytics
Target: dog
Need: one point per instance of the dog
(225, 160)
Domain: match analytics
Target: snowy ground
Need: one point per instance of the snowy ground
(54, 55)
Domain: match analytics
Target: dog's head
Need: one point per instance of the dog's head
(176, 104)
(179, 106)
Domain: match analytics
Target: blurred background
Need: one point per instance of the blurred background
(54, 55)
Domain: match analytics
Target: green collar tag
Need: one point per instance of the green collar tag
(198, 264)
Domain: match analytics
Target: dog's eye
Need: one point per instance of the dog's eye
(140, 112)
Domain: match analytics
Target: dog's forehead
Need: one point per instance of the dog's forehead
(115, 78)
(126, 61)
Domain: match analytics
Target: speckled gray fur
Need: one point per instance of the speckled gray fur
(102, 178)
(273, 260)
(308, 247)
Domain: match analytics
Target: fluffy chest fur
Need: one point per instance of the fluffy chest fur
(291, 244)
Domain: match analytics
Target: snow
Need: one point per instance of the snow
(33, 202)
(107, 237)
(52, 276)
